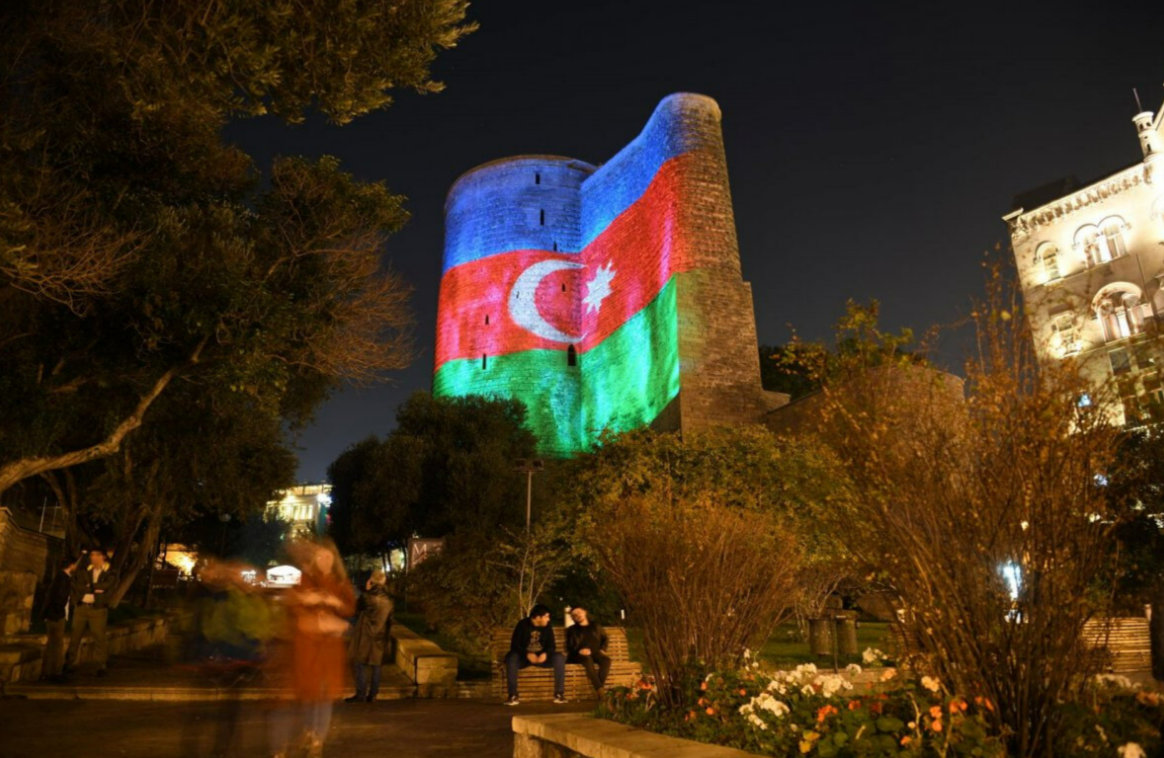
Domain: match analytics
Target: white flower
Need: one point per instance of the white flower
(1115, 680)
(853, 669)
(1132, 750)
(747, 654)
(757, 722)
(931, 683)
(831, 684)
(776, 686)
(772, 705)
(888, 674)
(872, 655)
(807, 690)
(912, 725)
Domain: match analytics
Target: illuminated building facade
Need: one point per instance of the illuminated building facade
(604, 298)
(304, 506)
(1091, 264)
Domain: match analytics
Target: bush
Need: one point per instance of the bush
(808, 712)
(805, 712)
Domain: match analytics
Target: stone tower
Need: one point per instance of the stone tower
(604, 298)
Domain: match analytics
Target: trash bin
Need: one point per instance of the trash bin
(820, 636)
(847, 633)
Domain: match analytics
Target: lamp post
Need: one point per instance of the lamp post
(530, 466)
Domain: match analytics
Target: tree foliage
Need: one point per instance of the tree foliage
(702, 535)
(991, 527)
(138, 249)
(447, 466)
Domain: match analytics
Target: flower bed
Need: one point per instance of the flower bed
(807, 712)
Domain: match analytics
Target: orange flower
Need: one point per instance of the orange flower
(854, 705)
(710, 711)
(906, 740)
(953, 706)
(701, 701)
(936, 712)
(703, 685)
(936, 725)
(743, 692)
(824, 713)
(877, 708)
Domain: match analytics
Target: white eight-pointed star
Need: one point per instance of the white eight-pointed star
(598, 288)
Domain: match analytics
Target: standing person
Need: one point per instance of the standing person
(533, 645)
(586, 644)
(369, 636)
(320, 606)
(92, 588)
(56, 612)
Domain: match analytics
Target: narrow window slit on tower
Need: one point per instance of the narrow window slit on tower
(563, 288)
(571, 356)
(486, 320)
(537, 178)
(482, 360)
(542, 217)
(555, 247)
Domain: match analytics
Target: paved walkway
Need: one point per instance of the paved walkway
(398, 728)
(151, 674)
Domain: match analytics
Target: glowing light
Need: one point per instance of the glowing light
(1012, 574)
(284, 576)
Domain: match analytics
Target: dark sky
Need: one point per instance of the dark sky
(872, 149)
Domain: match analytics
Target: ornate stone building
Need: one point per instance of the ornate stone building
(604, 297)
(1091, 265)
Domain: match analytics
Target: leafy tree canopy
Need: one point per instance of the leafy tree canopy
(137, 248)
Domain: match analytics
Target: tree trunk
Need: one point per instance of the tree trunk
(137, 554)
(23, 468)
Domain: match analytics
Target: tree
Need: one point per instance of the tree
(205, 455)
(702, 535)
(136, 249)
(991, 526)
(447, 466)
(777, 374)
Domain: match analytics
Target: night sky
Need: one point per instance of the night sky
(871, 150)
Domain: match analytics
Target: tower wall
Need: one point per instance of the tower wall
(643, 286)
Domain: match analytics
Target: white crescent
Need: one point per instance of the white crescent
(523, 306)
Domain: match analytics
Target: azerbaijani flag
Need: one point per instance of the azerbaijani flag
(510, 321)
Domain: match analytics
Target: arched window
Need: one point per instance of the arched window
(1113, 237)
(571, 356)
(1068, 338)
(1047, 258)
(1087, 243)
(1119, 311)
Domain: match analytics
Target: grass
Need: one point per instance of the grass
(784, 649)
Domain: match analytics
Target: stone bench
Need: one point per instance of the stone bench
(538, 683)
(431, 669)
(573, 735)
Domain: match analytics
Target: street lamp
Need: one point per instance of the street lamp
(530, 466)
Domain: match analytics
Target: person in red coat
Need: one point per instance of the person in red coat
(320, 607)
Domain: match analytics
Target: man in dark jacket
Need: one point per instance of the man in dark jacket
(369, 637)
(56, 613)
(586, 644)
(92, 588)
(533, 645)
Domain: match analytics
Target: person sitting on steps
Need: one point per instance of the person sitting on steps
(533, 645)
(586, 644)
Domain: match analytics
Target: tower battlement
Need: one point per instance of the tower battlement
(604, 298)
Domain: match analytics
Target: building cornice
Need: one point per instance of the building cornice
(1024, 223)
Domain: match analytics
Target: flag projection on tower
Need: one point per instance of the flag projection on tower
(562, 282)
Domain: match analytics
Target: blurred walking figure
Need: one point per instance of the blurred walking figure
(233, 625)
(319, 607)
(56, 613)
(369, 637)
(92, 588)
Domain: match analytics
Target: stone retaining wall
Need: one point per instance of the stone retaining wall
(20, 655)
(573, 735)
(431, 669)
